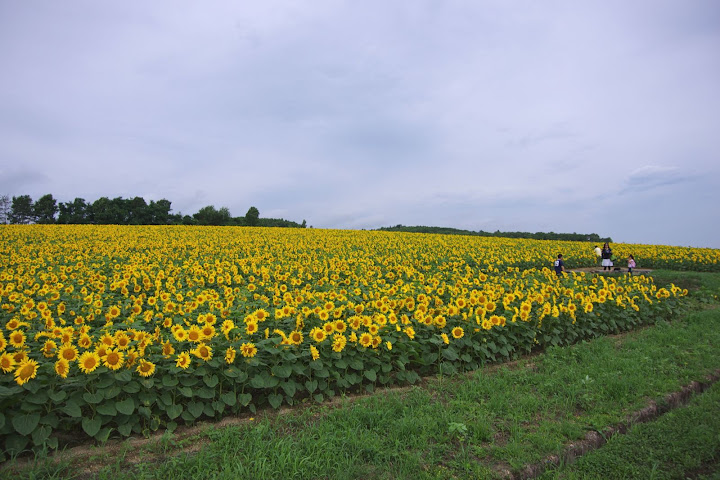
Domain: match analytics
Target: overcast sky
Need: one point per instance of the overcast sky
(567, 116)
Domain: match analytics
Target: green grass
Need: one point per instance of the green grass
(469, 426)
(683, 443)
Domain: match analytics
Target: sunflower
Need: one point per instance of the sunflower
(7, 362)
(588, 307)
(366, 339)
(203, 352)
(68, 352)
(195, 334)
(167, 348)
(88, 362)
(251, 328)
(49, 349)
(410, 332)
(62, 368)
(180, 333)
(107, 340)
(376, 341)
(3, 342)
(248, 350)
(227, 326)
(260, 314)
(457, 332)
(295, 337)
(440, 321)
(339, 342)
(314, 352)
(25, 371)
(318, 334)
(230, 355)
(145, 368)
(131, 357)
(114, 359)
(17, 338)
(445, 338)
(183, 360)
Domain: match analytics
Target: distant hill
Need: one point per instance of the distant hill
(573, 237)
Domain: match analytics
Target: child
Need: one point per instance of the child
(631, 264)
(559, 265)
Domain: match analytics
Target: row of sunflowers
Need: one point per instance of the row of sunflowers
(118, 330)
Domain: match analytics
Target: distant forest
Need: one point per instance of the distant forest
(573, 237)
(124, 211)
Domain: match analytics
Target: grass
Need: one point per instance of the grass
(683, 443)
(471, 426)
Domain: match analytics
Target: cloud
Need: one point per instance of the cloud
(651, 177)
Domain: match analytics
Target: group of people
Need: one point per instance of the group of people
(607, 259)
(605, 256)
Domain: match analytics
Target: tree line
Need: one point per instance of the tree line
(572, 237)
(123, 211)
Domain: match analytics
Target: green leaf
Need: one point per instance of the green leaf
(289, 387)
(245, 399)
(131, 387)
(275, 400)
(282, 371)
(186, 391)
(9, 392)
(15, 444)
(37, 399)
(91, 425)
(206, 393)
(124, 376)
(112, 392)
(311, 385)
(450, 354)
(229, 398)
(169, 381)
(103, 435)
(93, 398)
(257, 381)
(125, 430)
(58, 396)
(211, 381)
(24, 424)
(356, 364)
(72, 409)
(189, 381)
(174, 411)
(107, 409)
(126, 407)
(318, 397)
(195, 408)
(370, 375)
(2, 420)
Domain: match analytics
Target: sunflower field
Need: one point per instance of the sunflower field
(120, 330)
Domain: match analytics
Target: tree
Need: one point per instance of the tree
(210, 216)
(159, 212)
(21, 210)
(77, 212)
(5, 209)
(252, 217)
(137, 211)
(109, 212)
(45, 209)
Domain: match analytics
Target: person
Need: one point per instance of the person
(607, 262)
(598, 253)
(559, 265)
(631, 264)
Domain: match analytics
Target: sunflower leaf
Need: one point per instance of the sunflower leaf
(26, 423)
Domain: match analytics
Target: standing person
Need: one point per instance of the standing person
(598, 253)
(631, 264)
(607, 262)
(559, 265)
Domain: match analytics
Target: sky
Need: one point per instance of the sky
(600, 116)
